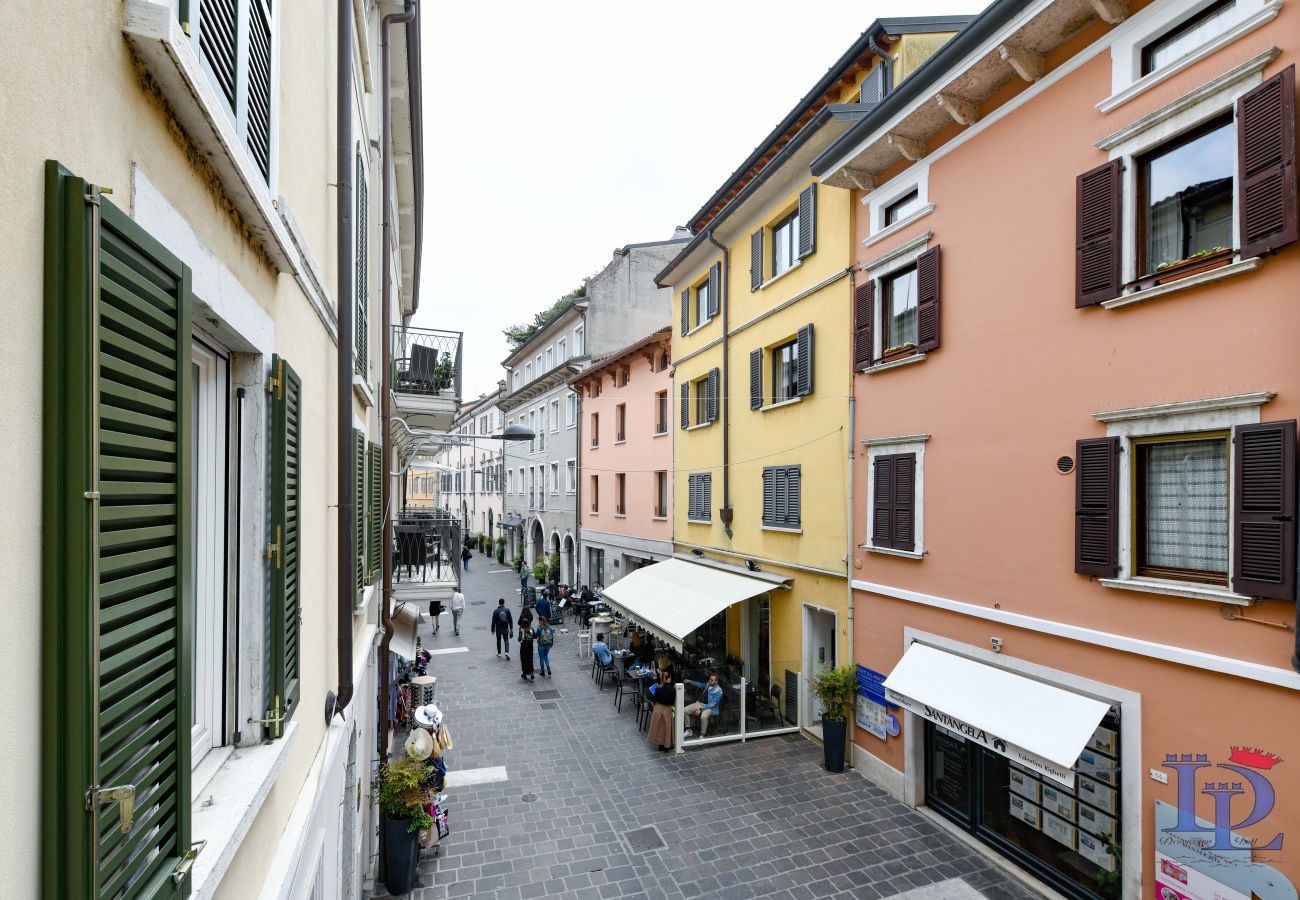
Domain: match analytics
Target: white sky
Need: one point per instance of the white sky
(558, 131)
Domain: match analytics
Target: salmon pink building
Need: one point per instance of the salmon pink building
(1077, 297)
(625, 449)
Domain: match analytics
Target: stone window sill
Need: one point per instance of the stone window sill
(660, 434)
(895, 363)
(699, 521)
(225, 810)
(780, 404)
(782, 529)
(776, 278)
(361, 388)
(890, 551)
(698, 425)
(659, 518)
(1182, 284)
(1178, 589)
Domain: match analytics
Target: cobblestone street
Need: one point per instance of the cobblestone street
(760, 819)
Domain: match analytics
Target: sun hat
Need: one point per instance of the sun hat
(420, 744)
(428, 716)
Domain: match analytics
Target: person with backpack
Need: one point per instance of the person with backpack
(503, 626)
(526, 645)
(465, 555)
(545, 635)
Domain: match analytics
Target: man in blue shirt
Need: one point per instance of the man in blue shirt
(708, 705)
(543, 607)
(601, 650)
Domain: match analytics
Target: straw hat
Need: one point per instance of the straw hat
(428, 716)
(420, 744)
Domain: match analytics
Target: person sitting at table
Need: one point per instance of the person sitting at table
(708, 705)
(645, 651)
(601, 650)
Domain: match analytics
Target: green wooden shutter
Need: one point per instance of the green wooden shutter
(358, 513)
(116, 550)
(286, 602)
(362, 335)
(375, 514)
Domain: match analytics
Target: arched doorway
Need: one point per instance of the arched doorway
(536, 543)
(491, 536)
(554, 549)
(567, 574)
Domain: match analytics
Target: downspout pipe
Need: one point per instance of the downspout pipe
(386, 327)
(726, 512)
(346, 362)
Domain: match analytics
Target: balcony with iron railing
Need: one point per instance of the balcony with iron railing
(427, 369)
(426, 553)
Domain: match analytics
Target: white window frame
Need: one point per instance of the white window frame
(555, 477)
(550, 359)
(1190, 417)
(555, 416)
(571, 411)
(211, 427)
(528, 372)
(888, 446)
(571, 468)
(579, 341)
(562, 350)
(1148, 24)
(1213, 99)
(916, 179)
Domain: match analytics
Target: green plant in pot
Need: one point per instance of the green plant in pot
(501, 550)
(540, 571)
(403, 799)
(553, 567)
(518, 560)
(834, 689)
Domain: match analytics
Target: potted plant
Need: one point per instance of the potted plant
(539, 571)
(834, 689)
(403, 802)
(1200, 261)
(501, 550)
(553, 567)
(518, 560)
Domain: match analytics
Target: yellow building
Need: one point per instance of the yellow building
(763, 299)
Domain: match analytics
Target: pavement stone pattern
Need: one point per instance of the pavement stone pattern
(758, 819)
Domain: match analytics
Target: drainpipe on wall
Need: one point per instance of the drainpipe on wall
(848, 525)
(725, 514)
(386, 326)
(347, 315)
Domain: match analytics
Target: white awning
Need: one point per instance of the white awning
(674, 597)
(1039, 726)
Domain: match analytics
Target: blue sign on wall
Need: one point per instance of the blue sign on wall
(871, 686)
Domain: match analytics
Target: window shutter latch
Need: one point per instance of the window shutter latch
(274, 718)
(275, 550)
(275, 382)
(182, 870)
(123, 795)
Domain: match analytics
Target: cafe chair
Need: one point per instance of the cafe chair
(771, 705)
(627, 687)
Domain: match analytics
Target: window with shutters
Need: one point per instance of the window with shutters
(895, 495)
(785, 244)
(896, 308)
(699, 497)
(705, 393)
(701, 307)
(898, 314)
(785, 372)
(781, 490)
(1187, 35)
(1181, 508)
(237, 48)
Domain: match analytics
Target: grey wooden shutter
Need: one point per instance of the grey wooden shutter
(756, 378)
(808, 220)
(711, 396)
(769, 496)
(686, 404)
(286, 605)
(1096, 514)
(1263, 520)
(804, 372)
(260, 94)
(793, 503)
(693, 497)
(1266, 147)
(715, 288)
(782, 499)
(1098, 210)
(927, 301)
(875, 85)
(882, 502)
(116, 562)
(686, 310)
(361, 335)
(756, 260)
(218, 24)
(864, 302)
(904, 537)
(706, 496)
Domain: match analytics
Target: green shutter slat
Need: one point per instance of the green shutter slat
(260, 96)
(137, 538)
(286, 611)
(375, 515)
(362, 299)
(358, 512)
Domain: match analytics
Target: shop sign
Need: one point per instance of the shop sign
(1026, 758)
(872, 708)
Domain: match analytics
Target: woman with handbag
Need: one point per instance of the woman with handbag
(526, 645)
(664, 697)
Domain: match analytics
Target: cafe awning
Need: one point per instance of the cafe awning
(510, 522)
(674, 597)
(1039, 726)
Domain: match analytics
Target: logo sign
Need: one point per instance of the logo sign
(1026, 758)
(1244, 784)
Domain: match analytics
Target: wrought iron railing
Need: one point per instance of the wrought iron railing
(426, 545)
(427, 361)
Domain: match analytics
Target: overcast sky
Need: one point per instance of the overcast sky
(555, 132)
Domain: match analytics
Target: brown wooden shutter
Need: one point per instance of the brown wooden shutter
(1266, 147)
(927, 301)
(1099, 206)
(715, 288)
(1096, 514)
(756, 260)
(804, 369)
(864, 302)
(1264, 527)
(686, 404)
(756, 378)
(882, 502)
(904, 511)
(686, 310)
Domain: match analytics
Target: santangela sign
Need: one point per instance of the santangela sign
(1026, 758)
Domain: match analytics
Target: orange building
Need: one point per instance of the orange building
(1077, 292)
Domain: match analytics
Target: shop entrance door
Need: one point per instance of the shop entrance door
(818, 656)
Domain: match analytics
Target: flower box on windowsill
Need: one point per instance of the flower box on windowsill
(898, 352)
(1193, 265)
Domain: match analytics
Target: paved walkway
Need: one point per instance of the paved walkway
(760, 819)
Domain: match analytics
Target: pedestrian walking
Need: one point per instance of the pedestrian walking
(545, 635)
(543, 606)
(526, 646)
(664, 697)
(465, 555)
(435, 610)
(503, 626)
(457, 608)
(523, 577)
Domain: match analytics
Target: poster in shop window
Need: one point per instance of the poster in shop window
(1176, 881)
(1093, 849)
(1025, 811)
